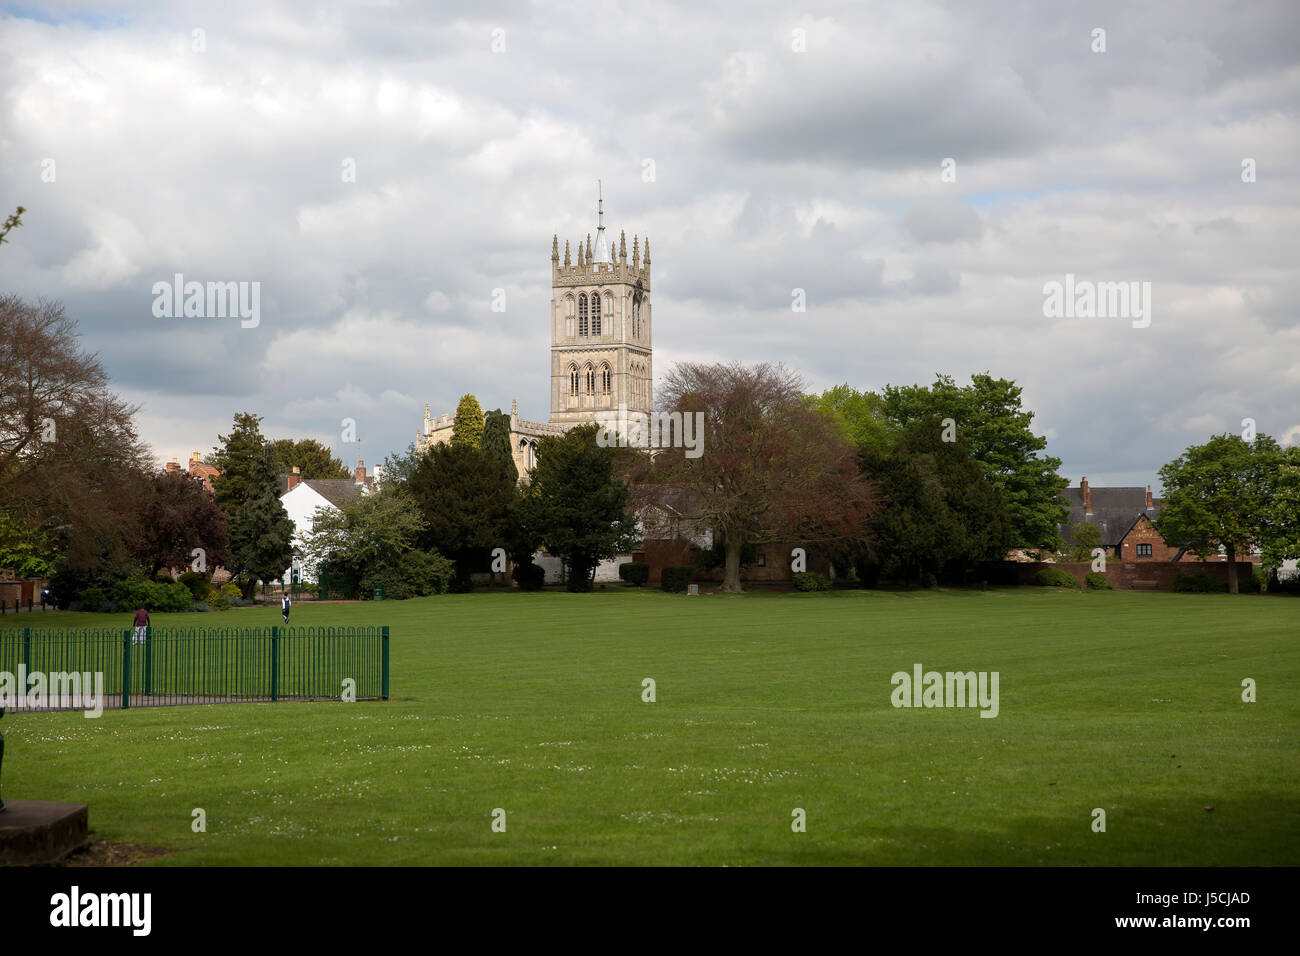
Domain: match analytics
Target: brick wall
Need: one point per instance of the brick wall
(1131, 575)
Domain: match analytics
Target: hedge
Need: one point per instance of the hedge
(529, 577)
(634, 572)
(675, 578)
(810, 581)
(1097, 581)
(1056, 578)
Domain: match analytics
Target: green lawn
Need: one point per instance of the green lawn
(766, 702)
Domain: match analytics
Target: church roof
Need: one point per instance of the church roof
(602, 251)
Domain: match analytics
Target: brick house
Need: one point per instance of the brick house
(1126, 518)
(196, 470)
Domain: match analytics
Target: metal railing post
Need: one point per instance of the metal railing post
(275, 662)
(385, 656)
(148, 660)
(126, 669)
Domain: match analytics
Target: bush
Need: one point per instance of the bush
(1288, 584)
(200, 587)
(1198, 582)
(810, 581)
(231, 590)
(675, 578)
(1056, 578)
(634, 572)
(416, 574)
(1097, 581)
(529, 576)
(94, 599)
(151, 595)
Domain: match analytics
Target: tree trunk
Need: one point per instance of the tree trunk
(1231, 553)
(731, 580)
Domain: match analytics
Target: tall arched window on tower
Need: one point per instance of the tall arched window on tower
(582, 313)
(591, 380)
(595, 313)
(636, 318)
(568, 315)
(609, 312)
(606, 381)
(573, 383)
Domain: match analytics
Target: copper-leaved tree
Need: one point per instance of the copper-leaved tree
(769, 468)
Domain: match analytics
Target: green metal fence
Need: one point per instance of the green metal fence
(199, 665)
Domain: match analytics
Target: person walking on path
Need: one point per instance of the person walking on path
(285, 604)
(141, 625)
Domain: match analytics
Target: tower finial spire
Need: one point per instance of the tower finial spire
(600, 207)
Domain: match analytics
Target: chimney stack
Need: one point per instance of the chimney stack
(1151, 505)
(1087, 496)
(173, 467)
(294, 478)
(360, 475)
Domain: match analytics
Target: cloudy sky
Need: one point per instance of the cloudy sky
(764, 147)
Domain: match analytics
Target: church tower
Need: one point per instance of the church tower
(600, 328)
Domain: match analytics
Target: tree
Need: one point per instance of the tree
(467, 426)
(988, 417)
(248, 491)
(69, 451)
(261, 541)
(1281, 533)
(248, 466)
(772, 469)
(575, 504)
(399, 466)
(496, 440)
(1084, 537)
(23, 550)
(861, 415)
(942, 513)
(12, 222)
(178, 515)
(310, 457)
(466, 498)
(366, 536)
(1219, 495)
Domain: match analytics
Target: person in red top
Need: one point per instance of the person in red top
(141, 625)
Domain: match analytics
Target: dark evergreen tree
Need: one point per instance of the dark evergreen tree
(575, 505)
(466, 497)
(496, 440)
(942, 513)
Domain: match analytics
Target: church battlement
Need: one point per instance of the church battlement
(598, 264)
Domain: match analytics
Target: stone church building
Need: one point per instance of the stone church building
(601, 354)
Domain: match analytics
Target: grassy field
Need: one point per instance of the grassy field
(765, 703)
